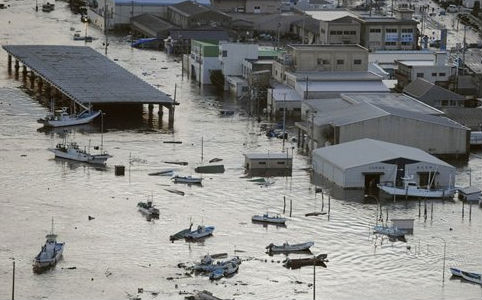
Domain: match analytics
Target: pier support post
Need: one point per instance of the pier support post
(9, 64)
(17, 67)
(40, 85)
(151, 109)
(24, 73)
(32, 80)
(160, 112)
(171, 116)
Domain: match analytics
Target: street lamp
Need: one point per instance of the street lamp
(445, 248)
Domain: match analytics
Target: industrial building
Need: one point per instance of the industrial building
(383, 117)
(364, 163)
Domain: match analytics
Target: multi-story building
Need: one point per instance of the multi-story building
(436, 71)
(390, 33)
(248, 6)
(203, 60)
(337, 26)
(320, 58)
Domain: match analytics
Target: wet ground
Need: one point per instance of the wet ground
(120, 251)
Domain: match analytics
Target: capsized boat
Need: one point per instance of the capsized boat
(61, 118)
(296, 263)
(187, 179)
(265, 218)
(287, 248)
(199, 233)
(50, 253)
(217, 273)
(73, 152)
(411, 189)
(167, 172)
(389, 231)
(210, 169)
(230, 268)
(148, 208)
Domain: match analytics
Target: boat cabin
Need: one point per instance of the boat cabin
(268, 164)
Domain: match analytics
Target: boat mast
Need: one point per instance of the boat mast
(101, 132)
(314, 278)
(13, 281)
(202, 149)
(52, 228)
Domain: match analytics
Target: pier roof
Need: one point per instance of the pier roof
(86, 76)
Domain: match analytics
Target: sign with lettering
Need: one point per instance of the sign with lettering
(391, 37)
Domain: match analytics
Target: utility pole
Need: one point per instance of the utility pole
(314, 277)
(284, 120)
(13, 281)
(465, 46)
(106, 44)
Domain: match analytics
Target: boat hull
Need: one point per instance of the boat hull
(96, 159)
(419, 193)
(261, 219)
(72, 121)
(472, 277)
(305, 247)
(40, 265)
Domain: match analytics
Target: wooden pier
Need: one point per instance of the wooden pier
(81, 76)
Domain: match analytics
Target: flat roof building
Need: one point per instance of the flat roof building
(268, 164)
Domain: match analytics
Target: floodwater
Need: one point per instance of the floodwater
(120, 251)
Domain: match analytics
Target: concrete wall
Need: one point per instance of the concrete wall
(327, 59)
(343, 33)
(232, 55)
(375, 37)
(432, 138)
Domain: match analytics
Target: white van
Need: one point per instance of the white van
(452, 8)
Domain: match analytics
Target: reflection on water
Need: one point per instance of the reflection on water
(138, 254)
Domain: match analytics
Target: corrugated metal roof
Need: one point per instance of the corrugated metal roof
(189, 8)
(429, 92)
(395, 100)
(439, 120)
(86, 76)
(268, 155)
(209, 35)
(366, 151)
(330, 15)
(343, 86)
(155, 2)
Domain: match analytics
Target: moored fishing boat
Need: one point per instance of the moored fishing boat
(287, 248)
(148, 208)
(296, 263)
(181, 234)
(265, 218)
(73, 152)
(199, 233)
(187, 179)
(411, 189)
(50, 253)
(472, 277)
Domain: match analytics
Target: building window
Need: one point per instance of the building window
(419, 75)
(441, 74)
(280, 162)
(349, 32)
(407, 30)
(340, 61)
(333, 32)
(262, 162)
(375, 30)
(445, 102)
(257, 7)
(225, 53)
(390, 43)
(357, 62)
(434, 74)
(392, 30)
(406, 43)
(326, 62)
(319, 61)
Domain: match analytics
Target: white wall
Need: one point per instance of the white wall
(232, 55)
(428, 70)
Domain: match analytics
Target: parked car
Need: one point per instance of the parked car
(452, 8)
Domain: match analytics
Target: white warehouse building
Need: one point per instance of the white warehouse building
(362, 164)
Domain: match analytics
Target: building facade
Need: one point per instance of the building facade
(248, 6)
(202, 60)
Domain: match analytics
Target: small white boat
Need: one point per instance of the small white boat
(411, 189)
(73, 152)
(269, 219)
(286, 248)
(472, 277)
(50, 253)
(456, 272)
(187, 179)
(61, 118)
(199, 233)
